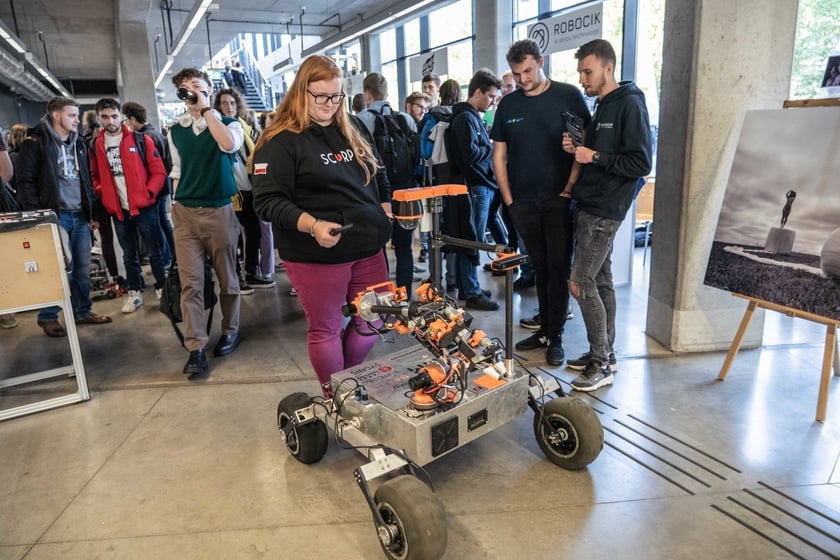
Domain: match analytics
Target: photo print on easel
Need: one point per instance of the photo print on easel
(778, 234)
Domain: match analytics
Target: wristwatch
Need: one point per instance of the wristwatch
(596, 157)
(204, 110)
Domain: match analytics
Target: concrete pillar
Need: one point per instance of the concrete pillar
(721, 58)
(135, 78)
(492, 22)
(371, 55)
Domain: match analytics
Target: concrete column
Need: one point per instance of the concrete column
(721, 58)
(135, 78)
(371, 54)
(492, 23)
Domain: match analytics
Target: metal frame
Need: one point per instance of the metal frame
(76, 369)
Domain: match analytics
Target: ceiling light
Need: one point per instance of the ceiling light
(339, 39)
(183, 37)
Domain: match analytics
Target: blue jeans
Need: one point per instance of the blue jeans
(467, 274)
(166, 226)
(592, 272)
(146, 223)
(545, 228)
(78, 233)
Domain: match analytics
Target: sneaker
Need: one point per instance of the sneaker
(462, 295)
(594, 376)
(8, 321)
(583, 360)
(159, 293)
(532, 324)
(555, 354)
(424, 255)
(133, 301)
(418, 268)
(569, 314)
(293, 292)
(257, 282)
(482, 303)
(245, 289)
(536, 340)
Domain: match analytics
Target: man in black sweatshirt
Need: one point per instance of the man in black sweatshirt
(472, 152)
(615, 154)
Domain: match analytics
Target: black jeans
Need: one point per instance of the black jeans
(545, 227)
(251, 226)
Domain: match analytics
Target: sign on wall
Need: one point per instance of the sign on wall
(433, 62)
(569, 30)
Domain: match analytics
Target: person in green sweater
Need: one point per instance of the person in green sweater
(203, 144)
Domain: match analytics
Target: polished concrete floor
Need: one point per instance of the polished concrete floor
(156, 466)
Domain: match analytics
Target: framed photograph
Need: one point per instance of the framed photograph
(778, 232)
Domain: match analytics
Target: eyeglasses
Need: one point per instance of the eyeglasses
(321, 99)
(423, 107)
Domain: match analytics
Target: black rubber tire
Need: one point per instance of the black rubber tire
(418, 516)
(306, 443)
(581, 433)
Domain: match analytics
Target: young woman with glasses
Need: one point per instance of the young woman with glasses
(314, 171)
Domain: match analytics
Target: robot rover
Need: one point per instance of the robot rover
(414, 406)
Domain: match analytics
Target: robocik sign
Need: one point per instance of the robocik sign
(569, 30)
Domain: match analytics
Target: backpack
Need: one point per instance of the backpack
(440, 168)
(398, 147)
(170, 298)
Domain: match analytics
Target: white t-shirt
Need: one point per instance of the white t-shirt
(112, 151)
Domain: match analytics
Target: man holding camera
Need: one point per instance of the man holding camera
(203, 143)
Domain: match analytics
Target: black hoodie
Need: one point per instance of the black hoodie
(620, 132)
(316, 172)
(470, 146)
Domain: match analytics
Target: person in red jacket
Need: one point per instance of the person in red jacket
(128, 187)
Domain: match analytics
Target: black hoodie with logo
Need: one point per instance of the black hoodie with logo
(620, 132)
(316, 172)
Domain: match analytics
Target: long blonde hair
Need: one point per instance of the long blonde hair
(293, 112)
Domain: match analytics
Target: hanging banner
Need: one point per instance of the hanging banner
(434, 62)
(569, 30)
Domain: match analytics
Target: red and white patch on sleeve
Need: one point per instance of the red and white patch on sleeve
(260, 168)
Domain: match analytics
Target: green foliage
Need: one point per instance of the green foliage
(817, 33)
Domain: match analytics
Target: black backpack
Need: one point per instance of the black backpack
(398, 147)
(170, 298)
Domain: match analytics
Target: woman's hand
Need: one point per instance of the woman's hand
(321, 231)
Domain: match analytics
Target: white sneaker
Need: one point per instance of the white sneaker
(133, 301)
(159, 293)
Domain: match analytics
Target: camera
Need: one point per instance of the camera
(187, 95)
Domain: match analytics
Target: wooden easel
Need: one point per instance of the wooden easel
(830, 353)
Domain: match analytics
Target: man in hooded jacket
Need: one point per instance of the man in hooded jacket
(53, 173)
(616, 153)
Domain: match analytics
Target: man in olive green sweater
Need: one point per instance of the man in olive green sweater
(203, 144)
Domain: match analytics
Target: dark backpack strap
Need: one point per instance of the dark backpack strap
(140, 142)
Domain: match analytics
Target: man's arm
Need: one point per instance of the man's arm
(229, 137)
(26, 180)
(154, 163)
(500, 169)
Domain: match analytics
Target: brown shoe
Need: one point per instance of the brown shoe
(52, 328)
(94, 319)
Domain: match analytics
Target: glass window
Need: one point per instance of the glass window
(389, 72)
(817, 38)
(388, 45)
(450, 23)
(525, 9)
(461, 63)
(411, 33)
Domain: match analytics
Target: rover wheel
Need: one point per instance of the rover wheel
(415, 520)
(576, 436)
(308, 442)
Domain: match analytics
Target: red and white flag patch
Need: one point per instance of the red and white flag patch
(260, 168)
